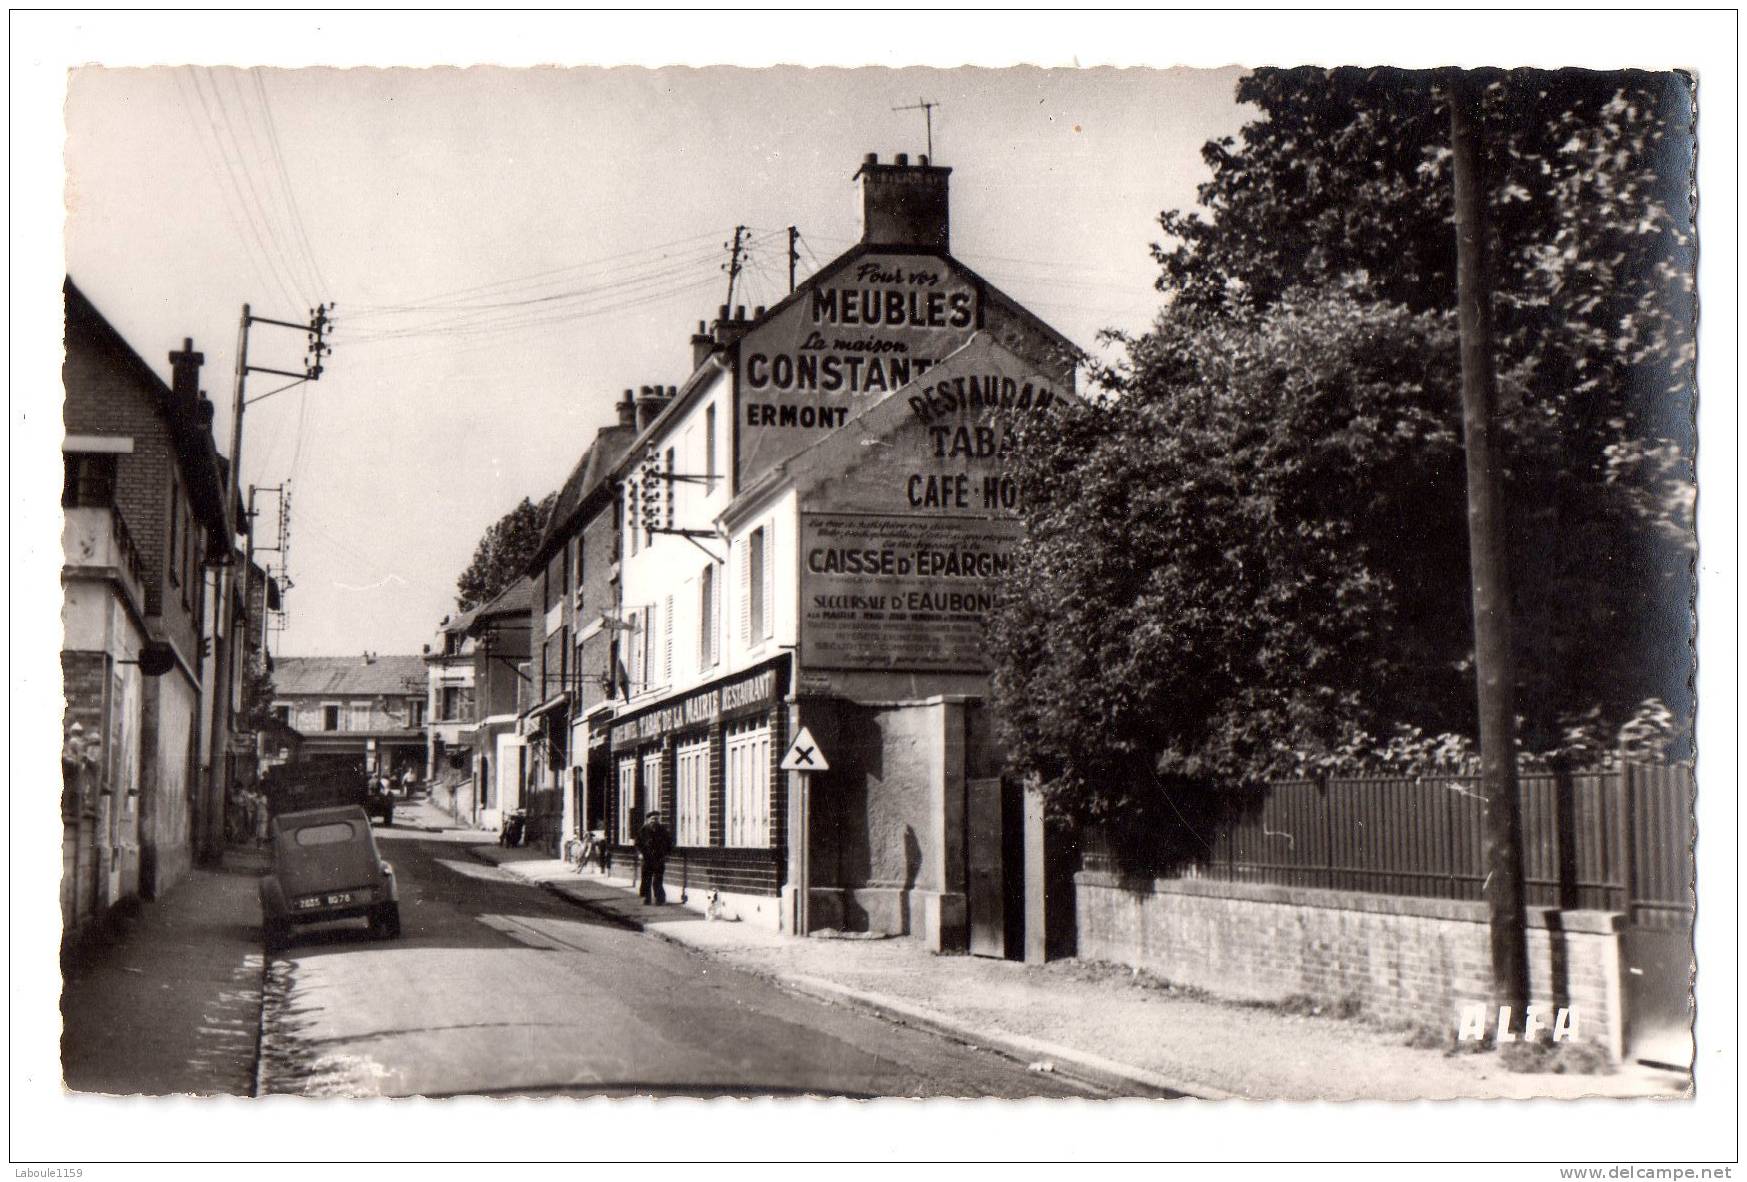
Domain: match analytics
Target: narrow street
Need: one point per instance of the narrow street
(497, 987)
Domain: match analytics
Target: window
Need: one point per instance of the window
(707, 618)
(627, 801)
(691, 793)
(651, 781)
(756, 615)
(358, 716)
(638, 643)
(415, 712)
(330, 717)
(710, 447)
(88, 481)
(746, 785)
(283, 714)
(332, 833)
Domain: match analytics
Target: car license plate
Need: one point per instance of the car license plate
(311, 902)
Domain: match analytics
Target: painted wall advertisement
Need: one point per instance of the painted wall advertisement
(876, 325)
(900, 591)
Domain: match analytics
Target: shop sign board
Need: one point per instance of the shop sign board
(699, 709)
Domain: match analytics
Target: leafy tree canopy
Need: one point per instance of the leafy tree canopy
(1248, 554)
(503, 553)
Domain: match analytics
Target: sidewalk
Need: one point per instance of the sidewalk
(173, 1003)
(1100, 1023)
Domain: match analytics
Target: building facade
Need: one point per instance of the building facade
(479, 684)
(144, 513)
(811, 532)
(573, 611)
(366, 712)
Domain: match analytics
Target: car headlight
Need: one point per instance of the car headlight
(386, 868)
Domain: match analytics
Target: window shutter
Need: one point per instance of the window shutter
(743, 560)
(704, 619)
(770, 578)
(716, 593)
(667, 643)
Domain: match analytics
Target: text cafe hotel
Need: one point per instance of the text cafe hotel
(813, 529)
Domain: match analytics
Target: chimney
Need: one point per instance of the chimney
(203, 411)
(703, 344)
(627, 411)
(650, 402)
(729, 329)
(185, 377)
(903, 204)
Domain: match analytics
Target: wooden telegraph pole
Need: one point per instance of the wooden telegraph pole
(1494, 659)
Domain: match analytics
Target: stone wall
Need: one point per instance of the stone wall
(1408, 960)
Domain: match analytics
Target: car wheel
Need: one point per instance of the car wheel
(385, 922)
(276, 935)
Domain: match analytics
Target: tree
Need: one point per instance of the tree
(1209, 593)
(1347, 179)
(503, 553)
(258, 695)
(1248, 558)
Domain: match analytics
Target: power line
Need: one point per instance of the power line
(263, 233)
(285, 180)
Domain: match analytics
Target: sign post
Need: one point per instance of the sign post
(804, 758)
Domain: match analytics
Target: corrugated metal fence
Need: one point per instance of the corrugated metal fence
(1615, 840)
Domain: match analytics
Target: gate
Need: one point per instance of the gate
(995, 868)
(1654, 835)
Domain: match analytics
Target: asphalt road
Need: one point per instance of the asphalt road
(497, 987)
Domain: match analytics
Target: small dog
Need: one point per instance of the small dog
(715, 909)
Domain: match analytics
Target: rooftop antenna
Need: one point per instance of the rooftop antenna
(927, 109)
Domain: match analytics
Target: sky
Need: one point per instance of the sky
(508, 249)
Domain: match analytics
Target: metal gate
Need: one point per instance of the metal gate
(1655, 836)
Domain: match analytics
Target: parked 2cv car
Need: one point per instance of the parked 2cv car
(326, 867)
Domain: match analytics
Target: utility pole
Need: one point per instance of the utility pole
(927, 109)
(734, 264)
(794, 255)
(1494, 659)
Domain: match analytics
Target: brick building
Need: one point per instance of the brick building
(145, 511)
(366, 711)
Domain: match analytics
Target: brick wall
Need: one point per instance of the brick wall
(1407, 960)
(104, 398)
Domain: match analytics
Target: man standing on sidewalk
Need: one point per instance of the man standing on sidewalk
(654, 843)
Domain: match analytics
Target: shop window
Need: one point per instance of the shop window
(651, 781)
(88, 481)
(746, 785)
(691, 793)
(627, 799)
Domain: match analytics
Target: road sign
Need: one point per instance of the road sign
(804, 755)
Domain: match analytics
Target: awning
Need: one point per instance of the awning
(549, 705)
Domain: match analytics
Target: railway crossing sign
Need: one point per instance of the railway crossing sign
(804, 755)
